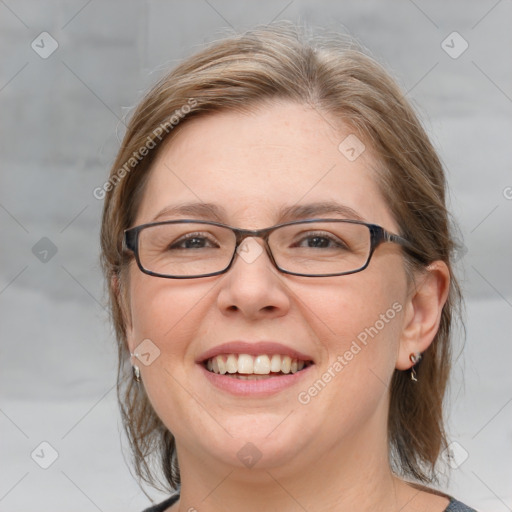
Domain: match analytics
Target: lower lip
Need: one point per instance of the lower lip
(259, 387)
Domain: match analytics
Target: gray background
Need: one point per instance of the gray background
(61, 120)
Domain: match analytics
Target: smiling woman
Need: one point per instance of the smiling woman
(280, 282)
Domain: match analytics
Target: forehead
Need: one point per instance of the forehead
(256, 164)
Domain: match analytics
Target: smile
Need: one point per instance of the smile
(246, 366)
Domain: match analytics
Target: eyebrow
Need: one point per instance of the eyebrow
(217, 213)
(312, 210)
(208, 211)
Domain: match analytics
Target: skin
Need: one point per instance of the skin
(330, 454)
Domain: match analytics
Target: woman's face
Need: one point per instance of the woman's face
(252, 167)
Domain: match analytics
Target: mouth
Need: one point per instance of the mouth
(255, 367)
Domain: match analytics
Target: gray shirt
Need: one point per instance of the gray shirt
(453, 506)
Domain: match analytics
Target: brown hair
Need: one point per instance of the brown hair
(334, 77)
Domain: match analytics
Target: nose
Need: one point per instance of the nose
(252, 286)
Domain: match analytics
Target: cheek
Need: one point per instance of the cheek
(171, 314)
(358, 322)
(168, 313)
(164, 310)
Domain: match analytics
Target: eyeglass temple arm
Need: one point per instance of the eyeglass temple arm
(129, 239)
(386, 236)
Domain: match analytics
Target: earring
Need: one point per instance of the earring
(136, 373)
(414, 358)
(136, 370)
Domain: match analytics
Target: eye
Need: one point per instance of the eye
(320, 240)
(193, 241)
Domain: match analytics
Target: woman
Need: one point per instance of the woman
(277, 249)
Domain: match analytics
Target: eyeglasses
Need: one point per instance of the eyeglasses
(187, 249)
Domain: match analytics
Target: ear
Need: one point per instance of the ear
(423, 312)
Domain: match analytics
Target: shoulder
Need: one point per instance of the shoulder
(433, 502)
(457, 506)
(162, 507)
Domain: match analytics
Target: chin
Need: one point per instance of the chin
(262, 441)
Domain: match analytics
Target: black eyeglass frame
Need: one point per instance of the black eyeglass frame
(378, 235)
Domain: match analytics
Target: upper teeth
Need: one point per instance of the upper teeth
(260, 365)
